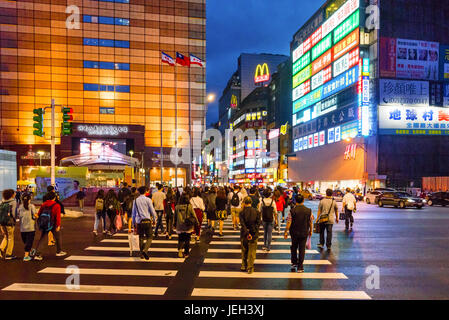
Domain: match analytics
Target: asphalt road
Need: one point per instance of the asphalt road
(407, 247)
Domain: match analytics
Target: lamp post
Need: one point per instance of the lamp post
(40, 153)
(131, 153)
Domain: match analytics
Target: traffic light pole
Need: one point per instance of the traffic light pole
(53, 143)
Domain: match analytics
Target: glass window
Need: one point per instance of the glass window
(107, 110)
(122, 88)
(90, 42)
(107, 65)
(106, 20)
(90, 87)
(121, 44)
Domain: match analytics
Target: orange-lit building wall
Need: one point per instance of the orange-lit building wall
(41, 59)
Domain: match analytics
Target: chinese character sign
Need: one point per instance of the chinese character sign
(411, 118)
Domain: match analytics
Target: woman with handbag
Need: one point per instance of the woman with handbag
(222, 213)
(327, 216)
(185, 221)
(113, 207)
(199, 208)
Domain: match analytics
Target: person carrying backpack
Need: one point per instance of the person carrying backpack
(49, 219)
(254, 197)
(27, 215)
(235, 200)
(249, 235)
(185, 222)
(199, 208)
(268, 209)
(211, 207)
(100, 212)
(8, 214)
(113, 208)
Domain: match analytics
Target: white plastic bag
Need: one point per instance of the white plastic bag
(133, 243)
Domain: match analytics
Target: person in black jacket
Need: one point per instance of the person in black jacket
(300, 224)
(250, 220)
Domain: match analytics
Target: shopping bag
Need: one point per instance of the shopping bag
(316, 228)
(134, 244)
(118, 222)
(342, 216)
(309, 243)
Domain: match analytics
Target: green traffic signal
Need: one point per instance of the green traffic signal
(38, 122)
(66, 126)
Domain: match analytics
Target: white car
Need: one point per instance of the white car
(372, 197)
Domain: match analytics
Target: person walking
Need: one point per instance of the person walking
(113, 208)
(280, 202)
(27, 216)
(221, 203)
(49, 219)
(158, 201)
(349, 206)
(124, 197)
(235, 199)
(198, 206)
(80, 196)
(169, 205)
(253, 194)
(8, 213)
(211, 207)
(250, 219)
(268, 209)
(185, 221)
(100, 212)
(300, 225)
(143, 219)
(326, 217)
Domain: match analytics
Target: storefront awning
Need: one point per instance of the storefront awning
(107, 157)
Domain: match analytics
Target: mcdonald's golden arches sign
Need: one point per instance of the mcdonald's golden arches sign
(234, 101)
(262, 73)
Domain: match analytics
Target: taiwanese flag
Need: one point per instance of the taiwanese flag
(182, 60)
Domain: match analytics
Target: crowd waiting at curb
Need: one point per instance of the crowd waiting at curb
(141, 212)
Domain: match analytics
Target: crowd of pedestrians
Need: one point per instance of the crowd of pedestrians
(142, 211)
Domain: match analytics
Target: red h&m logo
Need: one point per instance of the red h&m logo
(351, 152)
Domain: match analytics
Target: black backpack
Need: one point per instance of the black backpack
(44, 221)
(267, 212)
(235, 200)
(255, 203)
(6, 214)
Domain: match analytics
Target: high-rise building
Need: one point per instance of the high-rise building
(102, 58)
(370, 94)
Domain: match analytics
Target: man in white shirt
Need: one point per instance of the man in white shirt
(349, 206)
(158, 201)
(236, 206)
(143, 218)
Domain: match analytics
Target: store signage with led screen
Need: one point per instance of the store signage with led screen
(341, 82)
(347, 44)
(308, 100)
(316, 36)
(343, 64)
(310, 142)
(301, 63)
(322, 47)
(347, 26)
(302, 76)
(302, 90)
(316, 140)
(338, 17)
(337, 134)
(322, 62)
(321, 78)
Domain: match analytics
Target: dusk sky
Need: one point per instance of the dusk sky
(248, 26)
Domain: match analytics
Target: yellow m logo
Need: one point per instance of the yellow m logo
(262, 73)
(284, 129)
(234, 102)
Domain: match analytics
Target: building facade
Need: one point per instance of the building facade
(369, 95)
(103, 60)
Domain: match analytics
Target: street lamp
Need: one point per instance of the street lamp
(211, 97)
(40, 153)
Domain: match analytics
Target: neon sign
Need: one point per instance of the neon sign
(351, 152)
(262, 73)
(347, 26)
(234, 102)
(95, 130)
(345, 45)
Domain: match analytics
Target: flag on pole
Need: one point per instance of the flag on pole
(196, 60)
(182, 60)
(167, 59)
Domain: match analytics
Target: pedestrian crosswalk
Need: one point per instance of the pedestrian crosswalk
(105, 267)
(220, 276)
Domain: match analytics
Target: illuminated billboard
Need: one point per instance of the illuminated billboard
(262, 73)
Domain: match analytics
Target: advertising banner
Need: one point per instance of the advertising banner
(304, 75)
(339, 83)
(446, 95)
(417, 59)
(309, 99)
(322, 47)
(404, 92)
(346, 45)
(338, 17)
(66, 187)
(322, 62)
(321, 78)
(414, 120)
(347, 26)
(302, 90)
(349, 60)
(387, 57)
(444, 62)
(301, 63)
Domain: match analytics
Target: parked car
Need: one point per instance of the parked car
(372, 197)
(338, 195)
(317, 196)
(400, 199)
(438, 199)
(385, 190)
(306, 194)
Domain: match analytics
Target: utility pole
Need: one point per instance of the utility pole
(53, 144)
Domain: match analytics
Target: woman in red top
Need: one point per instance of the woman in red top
(280, 203)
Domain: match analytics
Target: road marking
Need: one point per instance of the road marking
(123, 259)
(126, 241)
(271, 275)
(280, 294)
(126, 249)
(115, 272)
(218, 242)
(258, 251)
(265, 261)
(87, 289)
(125, 235)
(216, 237)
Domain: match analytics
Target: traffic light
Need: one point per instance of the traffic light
(38, 122)
(67, 119)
